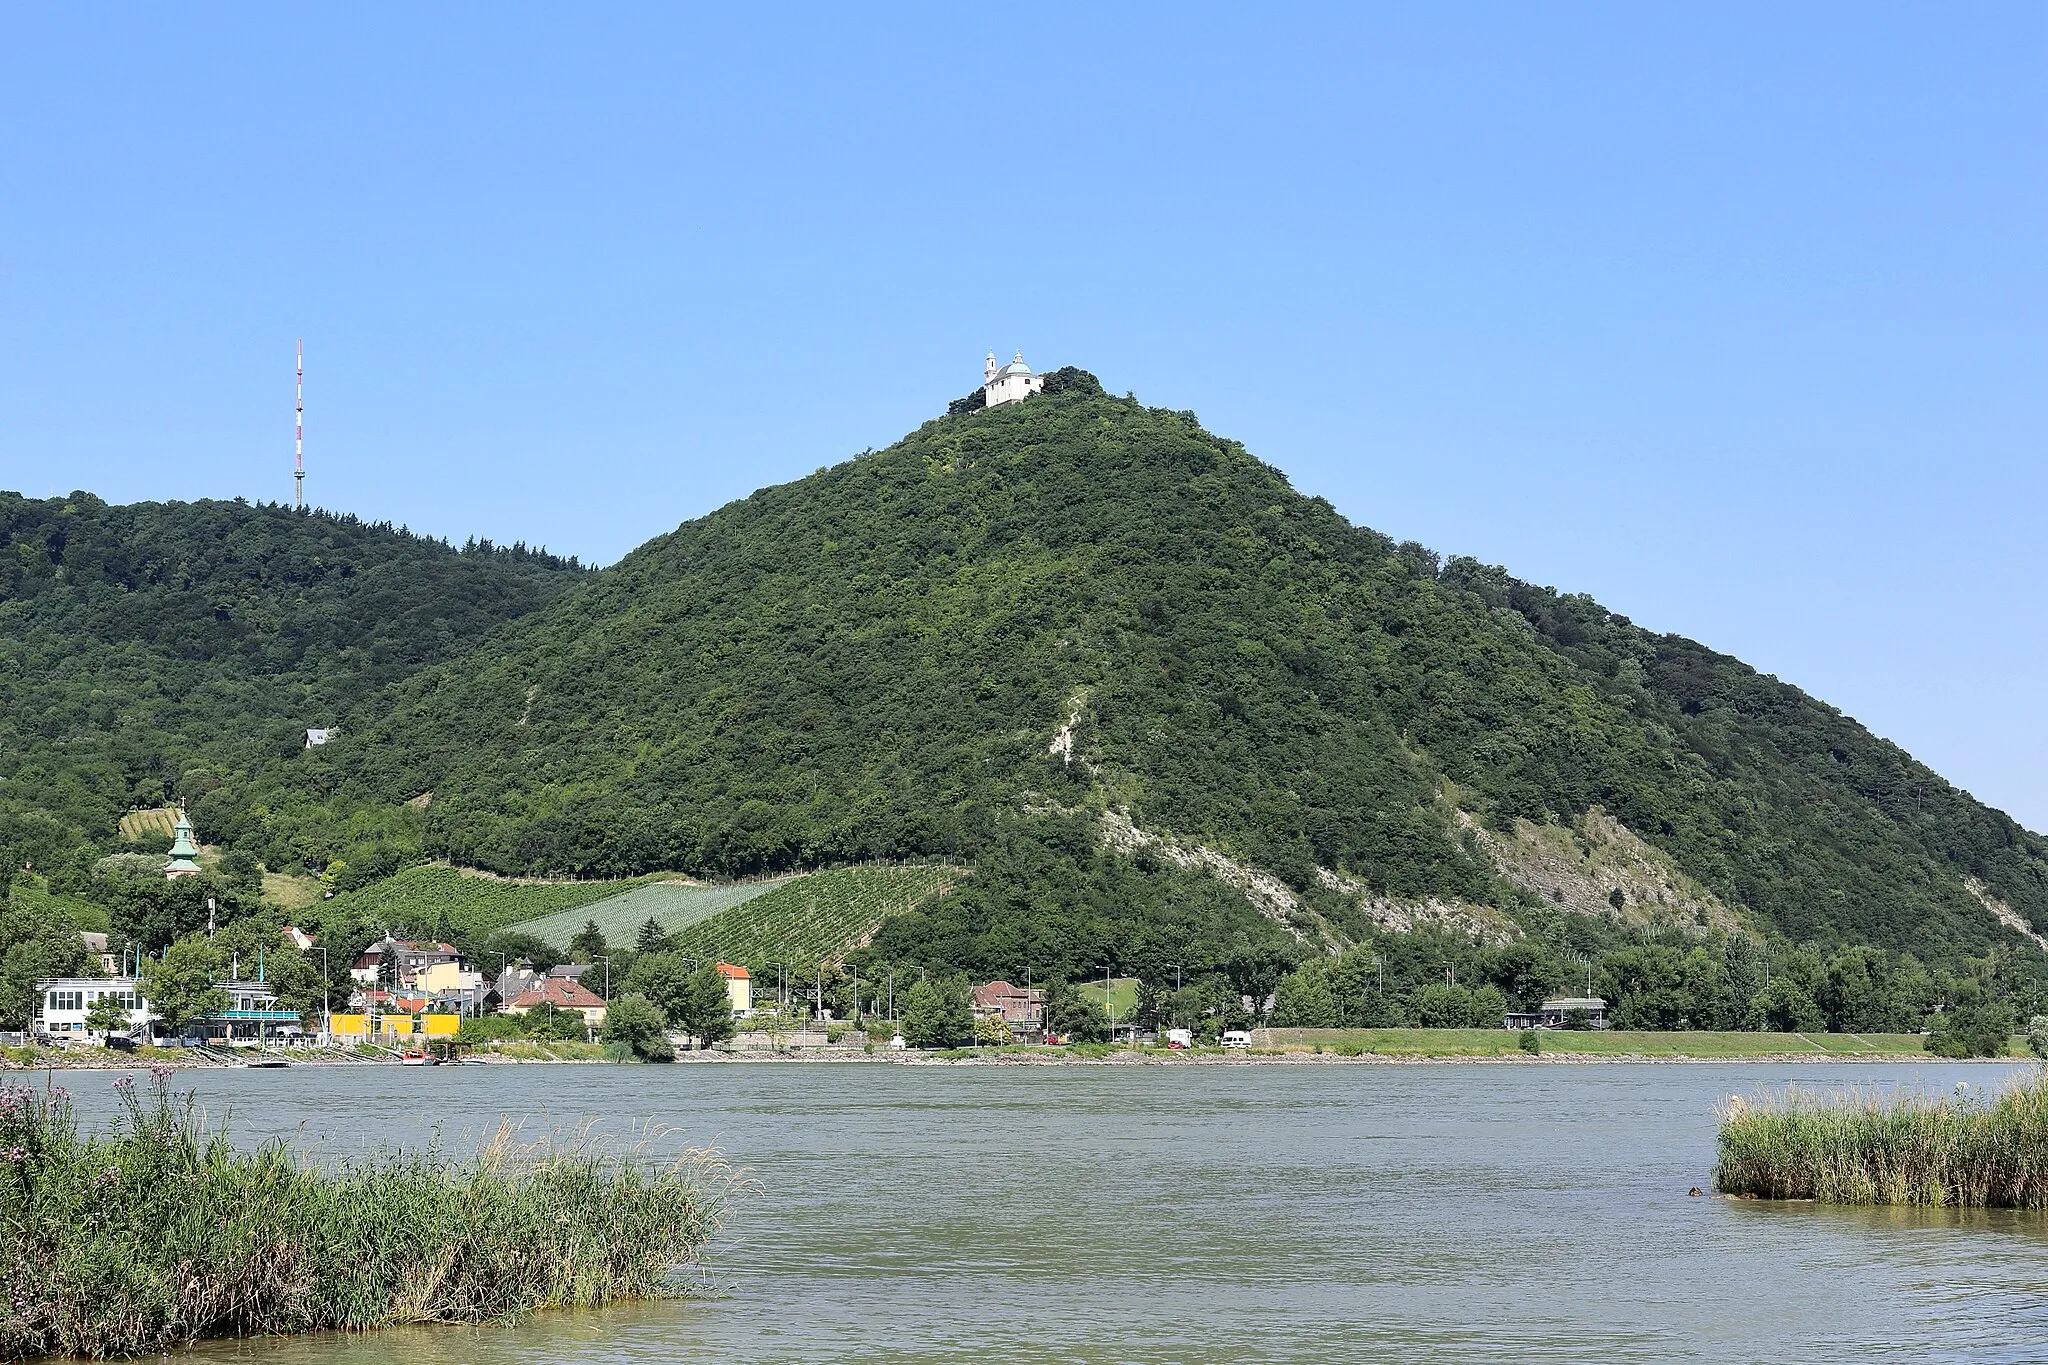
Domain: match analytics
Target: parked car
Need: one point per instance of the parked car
(1180, 1038)
(120, 1042)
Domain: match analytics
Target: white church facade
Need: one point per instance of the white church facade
(1013, 383)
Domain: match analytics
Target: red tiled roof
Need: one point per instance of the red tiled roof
(558, 991)
(732, 973)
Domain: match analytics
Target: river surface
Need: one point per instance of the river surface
(1238, 1212)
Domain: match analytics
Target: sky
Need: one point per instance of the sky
(1731, 316)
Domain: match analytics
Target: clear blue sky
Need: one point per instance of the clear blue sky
(1733, 317)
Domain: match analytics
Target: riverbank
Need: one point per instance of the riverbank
(1270, 1046)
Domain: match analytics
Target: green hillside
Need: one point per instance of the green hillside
(162, 651)
(672, 905)
(977, 642)
(814, 919)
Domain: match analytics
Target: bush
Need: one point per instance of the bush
(636, 1025)
(2037, 1035)
(1972, 1028)
(160, 1232)
(1529, 1041)
(1857, 1147)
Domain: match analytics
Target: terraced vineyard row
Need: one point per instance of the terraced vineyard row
(415, 899)
(818, 918)
(672, 905)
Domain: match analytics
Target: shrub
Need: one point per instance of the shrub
(1529, 1041)
(638, 1027)
(1857, 1147)
(2037, 1035)
(160, 1232)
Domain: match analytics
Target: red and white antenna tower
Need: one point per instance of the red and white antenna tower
(299, 436)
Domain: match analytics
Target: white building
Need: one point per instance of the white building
(252, 1009)
(1013, 383)
(62, 1002)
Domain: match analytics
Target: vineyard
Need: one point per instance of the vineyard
(137, 823)
(672, 905)
(415, 900)
(819, 918)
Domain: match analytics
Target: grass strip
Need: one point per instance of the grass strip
(1866, 1147)
(159, 1231)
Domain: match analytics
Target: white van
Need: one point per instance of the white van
(1236, 1037)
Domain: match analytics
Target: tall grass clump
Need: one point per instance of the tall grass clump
(1860, 1147)
(159, 1231)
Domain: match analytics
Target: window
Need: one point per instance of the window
(65, 1000)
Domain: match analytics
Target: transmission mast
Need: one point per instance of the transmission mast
(299, 437)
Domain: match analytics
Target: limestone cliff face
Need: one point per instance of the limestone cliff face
(1580, 867)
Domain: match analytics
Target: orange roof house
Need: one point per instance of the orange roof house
(563, 994)
(739, 987)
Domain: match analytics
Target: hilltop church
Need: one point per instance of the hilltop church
(1013, 383)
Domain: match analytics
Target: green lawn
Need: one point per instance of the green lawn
(1123, 995)
(1453, 1042)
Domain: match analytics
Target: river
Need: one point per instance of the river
(1208, 1213)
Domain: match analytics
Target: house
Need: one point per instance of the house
(96, 944)
(1559, 1013)
(1013, 383)
(61, 1002)
(316, 738)
(739, 988)
(414, 957)
(1022, 1009)
(563, 994)
(298, 938)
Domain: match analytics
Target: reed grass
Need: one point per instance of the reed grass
(1866, 1147)
(159, 1231)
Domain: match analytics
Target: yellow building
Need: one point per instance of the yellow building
(403, 1027)
(739, 987)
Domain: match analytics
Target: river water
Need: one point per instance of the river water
(1272, 1212)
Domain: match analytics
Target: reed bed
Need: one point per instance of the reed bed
(159, 1231)
(1866, 1147)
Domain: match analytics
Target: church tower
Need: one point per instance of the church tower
(183, 850)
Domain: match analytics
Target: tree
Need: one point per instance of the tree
(663, 978)
(547, 1021)
(991, 1030)
(1304, 999)
(587, 943)
(33, 944)
(2037, 1035)
(706, 1007)
(1784, 1007)
(106, 1014)
(1443, 1006)
(652, 939)
(1489, 1007)
(1973, 1026)
(179, 985)
(937, 1015)
(1074, 1017)
(636, 1024)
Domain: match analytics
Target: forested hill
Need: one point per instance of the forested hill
(1032, 636)
(161, 650)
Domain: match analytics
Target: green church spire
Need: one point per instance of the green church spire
(183, 850)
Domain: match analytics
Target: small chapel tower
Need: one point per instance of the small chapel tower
(183, 851)
(1013, 383)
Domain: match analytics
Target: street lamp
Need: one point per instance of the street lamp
(326, 1007)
